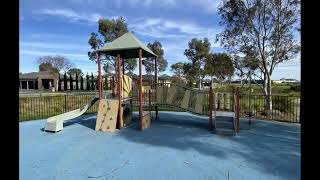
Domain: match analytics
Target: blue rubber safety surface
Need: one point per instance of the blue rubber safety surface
(178, 146)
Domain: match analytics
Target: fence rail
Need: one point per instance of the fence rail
(285, 108)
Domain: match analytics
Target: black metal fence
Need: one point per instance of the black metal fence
(47, 106)
(285, 108)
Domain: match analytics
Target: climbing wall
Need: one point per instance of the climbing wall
(185, 100)
(107, 115)
(199, 104)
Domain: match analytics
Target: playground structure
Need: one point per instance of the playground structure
(115, 111)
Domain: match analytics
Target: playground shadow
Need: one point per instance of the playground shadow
(270, 147)
(88, 121)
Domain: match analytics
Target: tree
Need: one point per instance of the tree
(189, 72)
(130, 65)
(264, 30)
(162, 63)
(209, 67)
(81, 82)
(77, 84)
(92, 83)
(65, 82)
(177, 69)
(219, 65)
(71, 82)
(88, 83)
(59, 84)
(108, 31)
(47, 67)
(58, 62)
(74, 71)
(197, 51)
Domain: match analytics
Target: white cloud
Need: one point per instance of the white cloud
(210, 6)
(52, 45)
(48, 53)
(72, 15)
(175, 30)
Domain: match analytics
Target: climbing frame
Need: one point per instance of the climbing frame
(107, 115)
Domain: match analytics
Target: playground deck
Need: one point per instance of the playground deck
(178, 146)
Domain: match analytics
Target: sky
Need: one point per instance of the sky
(63, 27)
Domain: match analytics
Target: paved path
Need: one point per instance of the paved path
(178, 146)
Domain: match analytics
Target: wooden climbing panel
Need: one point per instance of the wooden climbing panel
(107, 115)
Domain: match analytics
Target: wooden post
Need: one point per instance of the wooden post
(131, 103)
(119, 92)
(210, 109)
(140, 89)
(99, 76)
(238, 109)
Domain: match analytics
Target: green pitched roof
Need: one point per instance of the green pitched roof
(127, 46)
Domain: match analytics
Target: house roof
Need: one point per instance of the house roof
(127, 46)
(31, 75)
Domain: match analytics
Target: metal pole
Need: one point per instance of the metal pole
(119, 92)
(140, 89)
(99, 76)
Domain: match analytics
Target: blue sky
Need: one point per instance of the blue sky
(63, 27)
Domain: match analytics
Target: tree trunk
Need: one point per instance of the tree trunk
(199, 80)
(267, 92)
(211, 81)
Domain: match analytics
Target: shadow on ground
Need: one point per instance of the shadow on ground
(271, 147)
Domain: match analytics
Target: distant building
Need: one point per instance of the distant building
(42, 80)
(284, 80)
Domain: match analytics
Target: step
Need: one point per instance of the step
(224, 124)
(224, 132)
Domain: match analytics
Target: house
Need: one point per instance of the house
(42, 80)
(284, 80)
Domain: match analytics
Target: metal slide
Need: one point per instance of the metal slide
(55, 123)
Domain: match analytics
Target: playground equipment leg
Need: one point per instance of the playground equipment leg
(150, 102)
(157, 113)
(119, 92)
(238, 109)
(99, 76)
(140, 89)
(210, 109)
